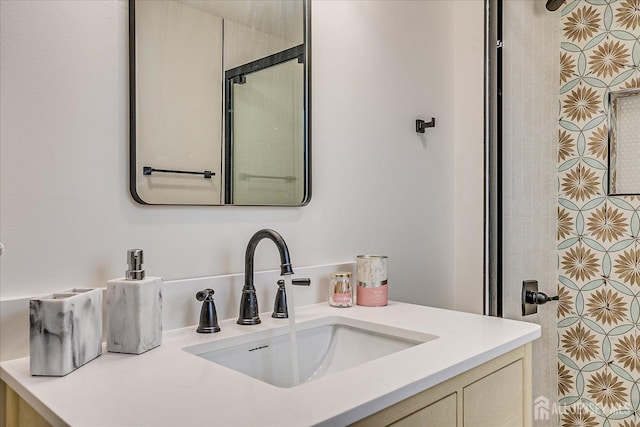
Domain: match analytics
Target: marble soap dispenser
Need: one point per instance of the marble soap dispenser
(134, 309)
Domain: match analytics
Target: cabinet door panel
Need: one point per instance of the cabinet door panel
(442, 413)
(496, 400)
(18, 412)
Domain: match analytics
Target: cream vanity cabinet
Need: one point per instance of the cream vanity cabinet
(494, 394)
(17, 412)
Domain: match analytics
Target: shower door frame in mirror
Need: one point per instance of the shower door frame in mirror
(176, 177)
(243, 177)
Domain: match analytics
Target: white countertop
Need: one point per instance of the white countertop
(169, 387)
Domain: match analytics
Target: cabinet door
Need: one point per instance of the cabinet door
(18, 413)
(496, 400)
(442, 413)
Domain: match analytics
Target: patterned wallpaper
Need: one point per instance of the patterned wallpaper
(598, 236)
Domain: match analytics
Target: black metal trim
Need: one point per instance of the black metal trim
(266, 62)
(499, 163)
(610, 95)
(228, 141)
(307, 102)
(306, 58)
(132, 104)
(493, 204)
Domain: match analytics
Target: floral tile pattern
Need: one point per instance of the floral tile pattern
(598, 235)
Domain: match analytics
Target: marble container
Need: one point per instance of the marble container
(65, 331)
(134, 315)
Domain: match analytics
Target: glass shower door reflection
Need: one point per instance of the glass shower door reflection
(265, 157)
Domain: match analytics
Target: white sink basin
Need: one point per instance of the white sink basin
(325, 346)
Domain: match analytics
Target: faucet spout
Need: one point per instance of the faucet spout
(249, 313)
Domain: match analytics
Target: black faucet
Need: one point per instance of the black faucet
(249, 313)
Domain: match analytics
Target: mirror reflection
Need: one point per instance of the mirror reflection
(219, 95)
(624, 142)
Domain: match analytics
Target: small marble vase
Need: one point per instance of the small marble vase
(134, 315)
(65, 331)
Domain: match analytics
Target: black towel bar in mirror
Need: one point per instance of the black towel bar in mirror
(148, 170)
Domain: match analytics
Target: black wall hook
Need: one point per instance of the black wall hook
(421, 125)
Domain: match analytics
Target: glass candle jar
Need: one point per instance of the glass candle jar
(340, 291)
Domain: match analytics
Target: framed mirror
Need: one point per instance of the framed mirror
(219, 102)
(624, 142)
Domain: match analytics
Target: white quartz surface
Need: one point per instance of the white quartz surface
(169, 387)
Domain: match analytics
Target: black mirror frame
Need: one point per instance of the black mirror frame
(307, 113)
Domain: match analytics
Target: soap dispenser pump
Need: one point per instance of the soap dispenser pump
(134, 309)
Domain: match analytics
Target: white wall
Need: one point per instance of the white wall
(469, 152)
(178, 102)
(66, 218)
(244, 44)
